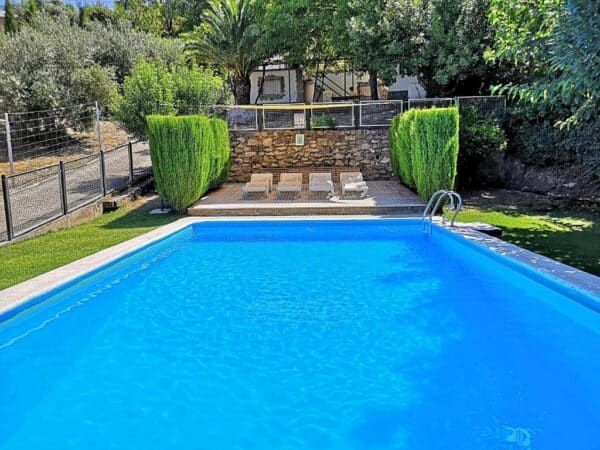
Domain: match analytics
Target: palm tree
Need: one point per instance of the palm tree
(229, 39)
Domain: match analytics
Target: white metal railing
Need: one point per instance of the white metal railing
(435, 201)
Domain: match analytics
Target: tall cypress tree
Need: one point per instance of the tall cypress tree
(10, 21)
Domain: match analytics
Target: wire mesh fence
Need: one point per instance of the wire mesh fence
(140, 160)
(240, 119)
(487, 106)
(334, 116)
(116, 168)
(83, 181)
(60, 131)
(3, 235)
(378, 114)
(283, 119)
(32, 199)
(429, 103)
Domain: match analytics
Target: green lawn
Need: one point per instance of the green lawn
(572, 238)
(23, 260)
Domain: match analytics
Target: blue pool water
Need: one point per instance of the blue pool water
(313, 335)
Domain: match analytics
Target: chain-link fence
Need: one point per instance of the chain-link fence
(34, 198)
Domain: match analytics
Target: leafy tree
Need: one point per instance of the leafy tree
(97, 13)
(456, 35)
(154, 89)
(306, 32)
(229, 39)
(557, 43)
(371, 40)
(481, 138)
(10, 21)
(146, 16)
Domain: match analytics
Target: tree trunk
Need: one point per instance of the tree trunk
(242, 90)
(373, 84)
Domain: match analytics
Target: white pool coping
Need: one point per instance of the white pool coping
(16, 297)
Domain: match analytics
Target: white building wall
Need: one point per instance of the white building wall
(410, 84)
(291, 94)
(360, 83)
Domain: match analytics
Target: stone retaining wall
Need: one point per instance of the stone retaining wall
(365, 150)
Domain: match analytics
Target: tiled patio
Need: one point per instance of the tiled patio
(385, 197)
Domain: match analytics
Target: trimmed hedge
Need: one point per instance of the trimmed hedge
(400, 139)
(424, 149)
(190, 155)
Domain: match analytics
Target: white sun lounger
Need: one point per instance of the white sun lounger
(259, 182)
(289, 182)
(320, 182)
(353, 182)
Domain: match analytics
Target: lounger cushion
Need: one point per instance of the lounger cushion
(361, 185)
(283, 186)
(255, 187)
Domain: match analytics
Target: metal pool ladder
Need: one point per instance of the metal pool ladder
(437, 200)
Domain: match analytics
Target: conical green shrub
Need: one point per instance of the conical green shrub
(424, 149)
(188, 154)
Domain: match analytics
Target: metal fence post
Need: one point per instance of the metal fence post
(63, 188)
(9, 145)
(7, 209)
(102, 173)
(130, 154)
(98, 126)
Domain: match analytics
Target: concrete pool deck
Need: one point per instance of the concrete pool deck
(24, 295)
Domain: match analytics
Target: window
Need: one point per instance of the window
(273, 87)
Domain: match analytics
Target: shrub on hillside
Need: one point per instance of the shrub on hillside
(480, 139)
(153, 89)
(53, 63)
(189, 155)
(424, 148)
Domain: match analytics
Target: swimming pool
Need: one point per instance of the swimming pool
(304, 334)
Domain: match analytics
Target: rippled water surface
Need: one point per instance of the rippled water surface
(334, 335)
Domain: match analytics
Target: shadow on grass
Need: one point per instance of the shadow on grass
(140, 217)
(571, 238)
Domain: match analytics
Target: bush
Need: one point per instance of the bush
(153, 89)
(400, 148)
(424, 148)
(147, 91)
(189, 155)
(480, 139)
(223, 151)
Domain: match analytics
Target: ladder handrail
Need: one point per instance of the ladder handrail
(429, 212)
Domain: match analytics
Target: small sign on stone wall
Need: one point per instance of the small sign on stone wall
(299, 120)
(299, 139)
